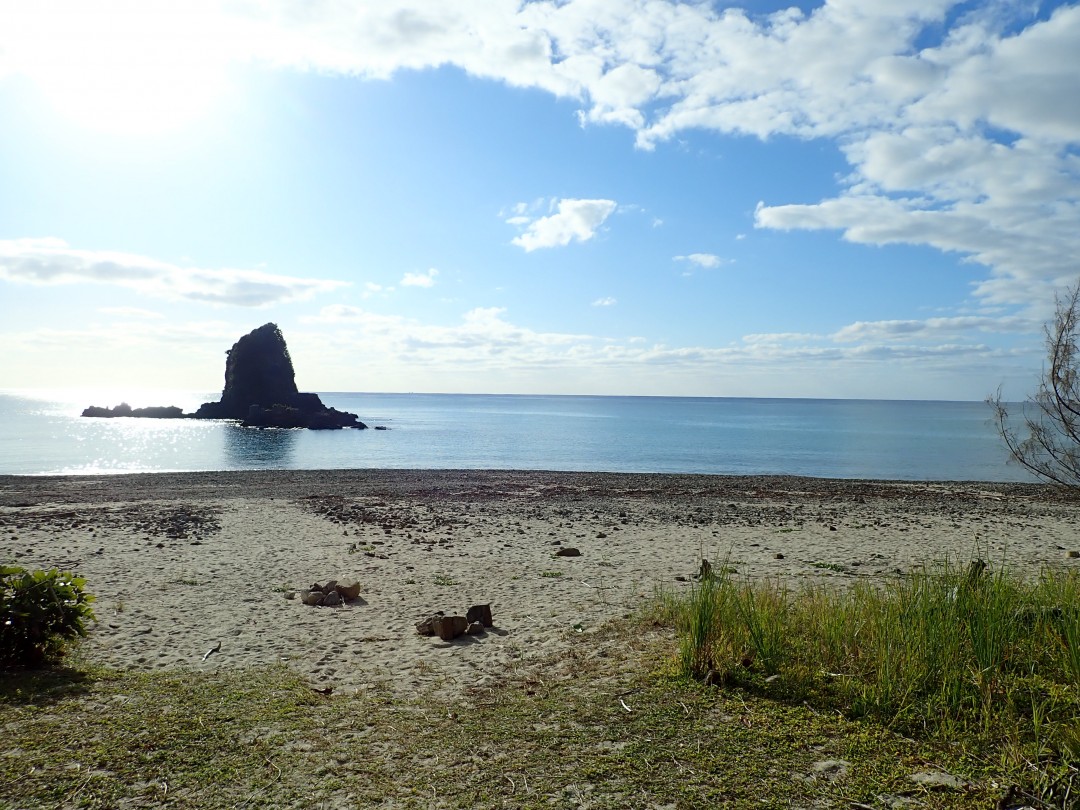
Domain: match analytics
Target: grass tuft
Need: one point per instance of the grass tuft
(967, 656)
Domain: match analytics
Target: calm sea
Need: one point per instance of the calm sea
(42, 433)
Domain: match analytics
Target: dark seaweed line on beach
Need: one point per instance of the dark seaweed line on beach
(18, 491)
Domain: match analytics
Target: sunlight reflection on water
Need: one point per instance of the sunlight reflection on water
(259, 449)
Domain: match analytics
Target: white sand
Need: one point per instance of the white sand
(181, 562)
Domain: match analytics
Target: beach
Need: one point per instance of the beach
(203, 571)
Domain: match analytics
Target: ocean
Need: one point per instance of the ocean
(43, 433)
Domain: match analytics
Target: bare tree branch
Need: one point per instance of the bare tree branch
(1051, 416)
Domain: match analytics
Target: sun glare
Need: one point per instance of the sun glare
(123, 67)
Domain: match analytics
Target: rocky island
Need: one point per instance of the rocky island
(260, 391)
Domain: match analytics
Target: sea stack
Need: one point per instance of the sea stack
(260, 391)
(260, 388)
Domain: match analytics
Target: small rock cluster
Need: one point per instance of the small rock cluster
(123, 409)
(473, 623)
(332, 594)
(179, 523)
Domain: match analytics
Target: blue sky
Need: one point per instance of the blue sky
(846, 199)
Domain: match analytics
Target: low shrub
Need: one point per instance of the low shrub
(41, 612)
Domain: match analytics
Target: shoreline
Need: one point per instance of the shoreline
(180, 562)
(288, 483)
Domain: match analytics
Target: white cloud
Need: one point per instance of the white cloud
(933, 328)
(619, 94)
(774, 338)
(133, 357)
(573, 221)
(1027, 247)
(606, 301)
(372, 289)
(52, 261)
(957, 127)
(936, 172)
(420, 279)
(1016, 83)
(933, 358)
(709, 261)
(483, 337)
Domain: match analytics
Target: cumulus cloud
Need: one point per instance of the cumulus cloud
(52, 261)
(420, 279)
(775, 338)
(932, 328)
(483, 336)
(573, 221)
(606, 301)
(978, 160)
(920, 335)
(957, 127)
(370, 289)
(709, 261)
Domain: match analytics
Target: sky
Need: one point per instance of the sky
(844, 199)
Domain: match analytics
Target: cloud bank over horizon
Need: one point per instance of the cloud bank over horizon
(52, 262)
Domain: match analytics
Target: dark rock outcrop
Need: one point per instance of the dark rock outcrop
(260, 388)
(258, 371)
(123, 409)
(260, 391)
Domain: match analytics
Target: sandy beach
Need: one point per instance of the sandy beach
(183, 563)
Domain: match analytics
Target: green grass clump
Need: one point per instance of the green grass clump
(968, 656)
